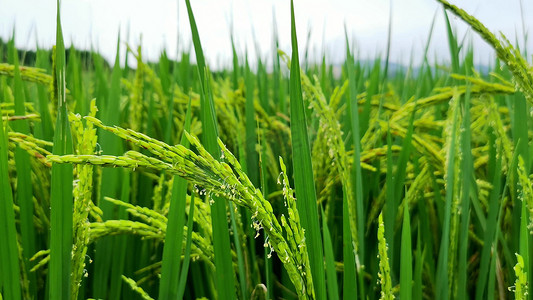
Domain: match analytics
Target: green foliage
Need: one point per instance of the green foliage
(170, 270)
(423, 179)
(221, 242)
(303, 170)
(406, 261)
(61, 204)
(10, 275)
(520, 287)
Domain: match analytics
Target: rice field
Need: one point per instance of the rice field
(169, 181)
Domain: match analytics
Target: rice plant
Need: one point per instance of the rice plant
(173, 181)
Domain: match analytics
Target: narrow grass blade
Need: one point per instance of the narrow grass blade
(452, 43)
(101, 80)
(428, 239)
(120, 242)
(401, 169)
(419, 264)
(252, 160)
(491, 289)
(485, 259)
(250, 266)
(520, 134)
(9, 262)
(389, 37)
(331, 273)
(238, 250)
(251, 168)
(262, 86)
(187, 255)
(425, 62)
(356, 210)
(390, 207)
(235, 74)
(61, 187)
(395, 188)
(442, 286)
(47, 129)
(200, 59)
(225, 285)
(74, 73)
(303, 171)
(524, 245)
(24, 194)
(489, 236)
(406, 258)
(373, 89)
(278, 88)
(170, 268)
(168, 90)
(508, 258)
(467, 175)
(349, 283)
(110, 186)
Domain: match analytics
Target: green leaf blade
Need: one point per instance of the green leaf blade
(406, 262)
(225, 282)
(61, 185)
(170, 269)
(303, 171)
(9, 267)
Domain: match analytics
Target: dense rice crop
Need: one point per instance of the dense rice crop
(170, 181)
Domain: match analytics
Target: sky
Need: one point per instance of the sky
(321, 26)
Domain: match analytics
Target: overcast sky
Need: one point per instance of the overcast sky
(162, 24)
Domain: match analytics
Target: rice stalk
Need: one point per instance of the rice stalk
(406, 262)
(520, 287)
(136, 288)
(399, 143)
(85, 144)
(225, 179)
(29, 74)
(384, 269)
(517, 64)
